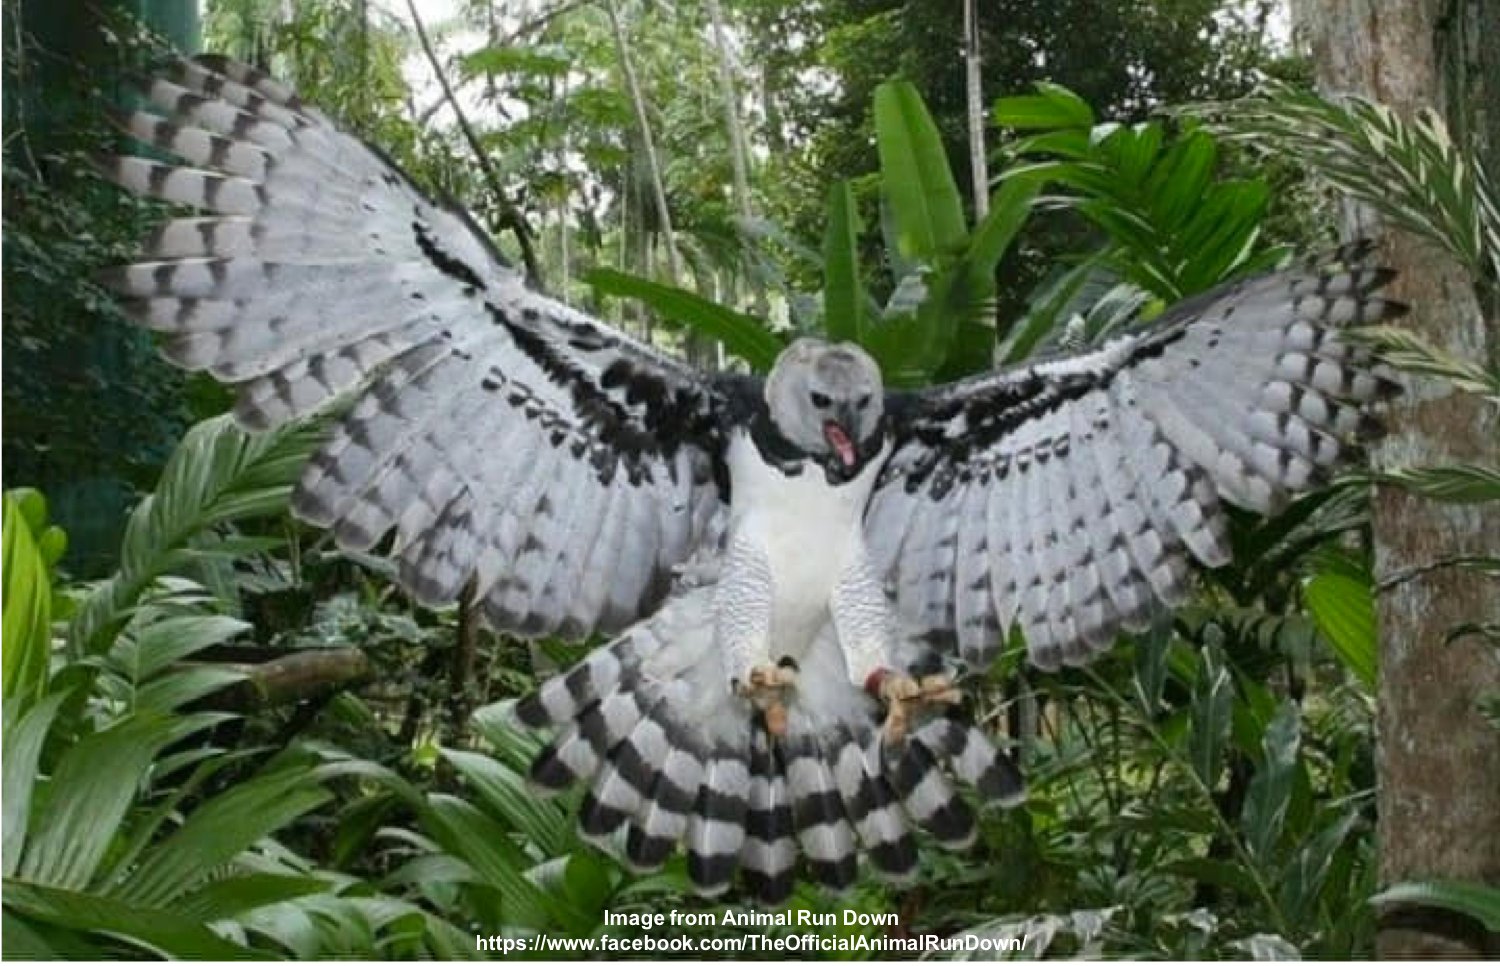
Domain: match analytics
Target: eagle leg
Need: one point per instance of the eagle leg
(765, 687)
(907, 698)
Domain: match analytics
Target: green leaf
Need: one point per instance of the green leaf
(1343, 607)
(742, 335)
(1473, 899)
(94, 784)
(27, 632)
(542, 61)
(234, 896)
(485, 845)
(1053, 106)
(148, 650)
(1271, 789)
(1303, 877)
(160, 931)
(23, 742)
(1009, 208)
(171, 691)
(845, 314)
(218, 474)
(508, 793)
(1213, 705)
(218, 831)
(1459, 483)
(915, 177)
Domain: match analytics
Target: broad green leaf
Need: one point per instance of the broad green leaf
(145, 651)
(1051, 304)
(1271, 788)
(25, 940)
(1213, 704)
(1177, 184)
(742, 335)
(27, 632)
(171, 691)
(218, 474)
(236, 895)
(1473, 899)
(916, 179)
(1053, 106)
(94, 784)
(486, 846)
(1010, 206)
(509, 795)
(218, 831)
(23, 741)
(1343, 607)
(844, 298)
(1302, 878)
(164, 932)
(1151, 665)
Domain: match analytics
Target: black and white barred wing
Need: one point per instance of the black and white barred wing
(505, 438)
(1070, 496)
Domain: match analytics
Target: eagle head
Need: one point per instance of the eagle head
(827, 401)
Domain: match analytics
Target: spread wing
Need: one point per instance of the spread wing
(1069, 496)
(506, 438)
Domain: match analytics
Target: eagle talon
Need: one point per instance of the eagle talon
(766, 690)
(906, 698)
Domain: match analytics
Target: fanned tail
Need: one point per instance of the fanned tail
(669, 755)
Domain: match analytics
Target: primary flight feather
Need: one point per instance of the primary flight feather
(788, 566)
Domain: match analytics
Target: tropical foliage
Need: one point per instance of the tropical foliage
(241, 742)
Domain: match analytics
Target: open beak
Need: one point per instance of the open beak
(843, 444)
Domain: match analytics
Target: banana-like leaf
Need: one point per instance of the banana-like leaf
(27, 645)
(1343, 607)
(845, 304)
(742, 335)
(916, 179)
(1053, 106)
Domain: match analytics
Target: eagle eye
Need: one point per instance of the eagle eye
(820, 400)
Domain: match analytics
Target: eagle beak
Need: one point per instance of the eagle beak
(843, 444)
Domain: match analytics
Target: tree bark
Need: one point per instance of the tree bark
(1437, 759)
(974, 96)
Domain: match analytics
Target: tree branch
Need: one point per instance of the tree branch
(510, 215)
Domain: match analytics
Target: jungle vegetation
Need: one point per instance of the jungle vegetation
(225, 738)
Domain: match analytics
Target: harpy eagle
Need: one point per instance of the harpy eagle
(787, 566)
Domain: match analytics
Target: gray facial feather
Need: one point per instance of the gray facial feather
(814, 383)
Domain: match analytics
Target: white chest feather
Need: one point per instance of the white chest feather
(808, 529)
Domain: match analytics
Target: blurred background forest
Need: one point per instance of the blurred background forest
(224, 737)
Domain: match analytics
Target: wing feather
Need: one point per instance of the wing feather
(317, 269)
(1080, 489)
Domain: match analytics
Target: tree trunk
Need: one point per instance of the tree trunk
(974, 96)
(648, 140)
(1438, 759)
